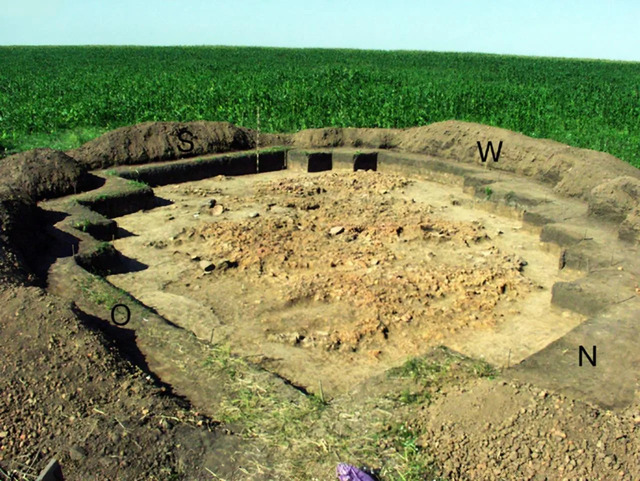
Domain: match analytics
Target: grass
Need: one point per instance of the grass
(101, 294)
(62, 96)
(276, 148)
(432, 372)
(137, 184)
(83, 225)
(103, 247)
(488, 192)
(65, 139)
(310, 435)
(509, 196)
(419, 465)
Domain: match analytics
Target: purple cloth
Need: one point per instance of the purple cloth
(347, 472)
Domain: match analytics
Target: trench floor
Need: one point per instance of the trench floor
(329, 279)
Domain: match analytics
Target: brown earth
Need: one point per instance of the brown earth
(500, 430)
(310, 273)
(157, 141)
(41, 174)
(69, 392)
(572, 171)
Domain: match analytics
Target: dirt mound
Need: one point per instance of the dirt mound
(573, 171)
(615, 198)
(19, 237)
(611, 185)
(158, 141)
(25, 178)
(40, 174)
(347, 137)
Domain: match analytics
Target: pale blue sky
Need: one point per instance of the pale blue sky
(608, 29)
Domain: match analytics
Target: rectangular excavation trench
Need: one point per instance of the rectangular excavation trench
(188, 170)
(322, 161)
(259, 316)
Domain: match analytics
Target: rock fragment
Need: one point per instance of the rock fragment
(217, 209)
(206, 266)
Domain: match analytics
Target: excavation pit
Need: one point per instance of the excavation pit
(329, 278)
(365, 161)
(319, 162)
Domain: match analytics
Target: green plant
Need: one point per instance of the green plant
(417, 463)
(509, 196)
(100, 292)
(82, 225)
(488, 192)
(137, 184)
(103, 248)
(93, 289)
(408, 396)
(591, 104)
(482, 368)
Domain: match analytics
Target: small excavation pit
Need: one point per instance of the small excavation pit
(320, 162)
(368, 161)
(330, 278)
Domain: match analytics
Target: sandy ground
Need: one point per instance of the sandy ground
(309, 273)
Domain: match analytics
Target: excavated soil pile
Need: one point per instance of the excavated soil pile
(590, 175)
(158, 141)
(24, 179)
(594, 176)
(41, 174)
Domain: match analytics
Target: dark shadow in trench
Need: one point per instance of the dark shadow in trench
(124, 341)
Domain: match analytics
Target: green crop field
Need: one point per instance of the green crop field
(63, 96)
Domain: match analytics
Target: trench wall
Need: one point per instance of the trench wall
(129, 188)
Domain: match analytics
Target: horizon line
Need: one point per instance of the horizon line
(588, 59)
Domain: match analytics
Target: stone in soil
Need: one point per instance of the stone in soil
(207, 266)
(217, 210)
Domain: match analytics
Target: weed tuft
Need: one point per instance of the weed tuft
(137, 184)
(488, 192)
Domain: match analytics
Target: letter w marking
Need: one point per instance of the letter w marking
(494, 154)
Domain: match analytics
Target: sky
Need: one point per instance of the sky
(603, 29)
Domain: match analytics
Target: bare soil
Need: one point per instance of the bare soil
(282, 343)
(157, 141)
(68, 394)
(313, 272)
(41, 174)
